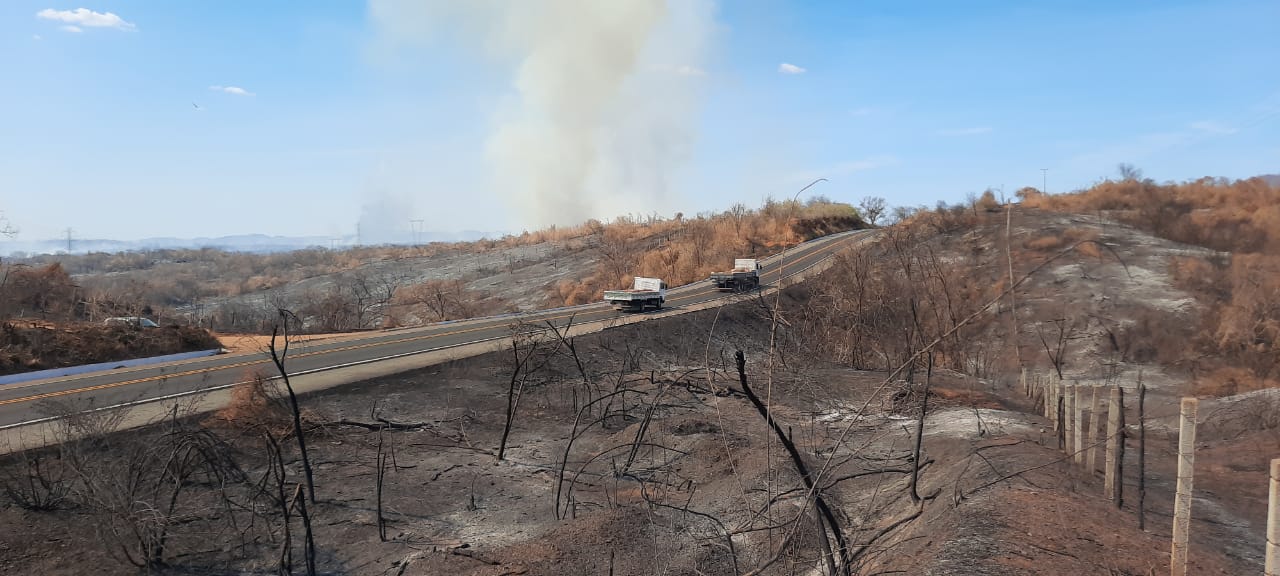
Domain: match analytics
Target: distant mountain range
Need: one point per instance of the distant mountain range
(258, 243)
(255, 243)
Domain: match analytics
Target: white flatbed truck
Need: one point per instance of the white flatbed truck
(644, 293)
(744, 277)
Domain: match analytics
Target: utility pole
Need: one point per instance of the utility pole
(1044, 181)
(6, 229)
(69, 240)
(416, 226)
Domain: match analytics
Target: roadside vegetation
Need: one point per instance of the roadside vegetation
(380, 286)
(683, 250)
(53, 305)
(47, 321)
(1232, 347)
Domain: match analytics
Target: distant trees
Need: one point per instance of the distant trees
(872, 207)
(1028, 192)
(439, 300)
(352, 301)
(1128, 172)
(47, 292)
(875, 309)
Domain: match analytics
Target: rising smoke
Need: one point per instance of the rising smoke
(605, 103)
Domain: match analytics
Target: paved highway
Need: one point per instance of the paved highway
(24, 403)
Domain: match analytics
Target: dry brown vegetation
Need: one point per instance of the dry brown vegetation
(683, 250)
(360, 291)
(441, 300)
(1235, 348)
(47, 321)
(875, 309)
(26, 347)
(354, 297)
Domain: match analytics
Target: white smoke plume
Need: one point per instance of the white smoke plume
(605, 103)
(384, 219)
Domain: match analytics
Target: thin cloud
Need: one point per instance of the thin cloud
(687, 70)
(1135, 149)
(787, 68)
(85, 17)
(37, 37)
(72, 29)
(233, 90)
(851, 166)
(862, 112)
(846, 168)
(1211, 127)
(967, 131)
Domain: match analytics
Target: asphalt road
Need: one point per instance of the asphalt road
(27, 402)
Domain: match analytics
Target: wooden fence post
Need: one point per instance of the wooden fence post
(1059, 424)
(1069, 416)
(1048, 398)
(1091, 438)
(1182, 499)
(1078, 426)
(1273, 522)
(1113, 482)
(1142, 454)
(1052, 406)
(1052, 392)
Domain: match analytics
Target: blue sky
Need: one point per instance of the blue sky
(311, 119)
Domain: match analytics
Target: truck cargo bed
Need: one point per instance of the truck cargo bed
(631, 294)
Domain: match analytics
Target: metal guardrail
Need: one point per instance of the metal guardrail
(85, 368)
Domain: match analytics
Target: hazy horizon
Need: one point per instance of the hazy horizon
(128, 120)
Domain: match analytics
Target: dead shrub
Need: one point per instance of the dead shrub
(256, 406)
(1152, 336)
(1229, 381)
(1050, 243)
(987, 202)
(37, 479)
(441, 300)
(142, 492)
(1079, 234)
(1262, 412)
(1089, 250)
